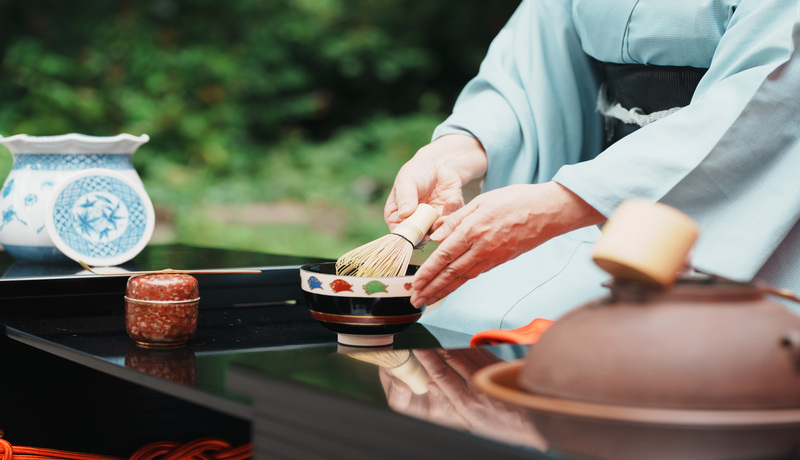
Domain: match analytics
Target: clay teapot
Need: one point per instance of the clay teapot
(662, 339)
(670, 364)
(701, 343)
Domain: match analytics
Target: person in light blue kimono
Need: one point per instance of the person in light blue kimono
(554, 126)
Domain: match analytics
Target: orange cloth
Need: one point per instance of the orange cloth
(526, 334)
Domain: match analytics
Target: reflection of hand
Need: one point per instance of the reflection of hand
(494, 228)
(453, 401)
(435, 176)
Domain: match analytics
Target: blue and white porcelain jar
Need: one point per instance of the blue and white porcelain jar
(41, 164)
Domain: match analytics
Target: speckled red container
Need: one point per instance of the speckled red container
(161, 309)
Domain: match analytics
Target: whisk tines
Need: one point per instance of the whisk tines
(390, 254)
(402, 364)
(386, 256)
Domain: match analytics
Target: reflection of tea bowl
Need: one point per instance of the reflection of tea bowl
(363, 311)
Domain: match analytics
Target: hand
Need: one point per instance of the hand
(435, 176)
(453, 401)
(494, 228)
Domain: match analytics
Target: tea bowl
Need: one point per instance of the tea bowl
(362, 311)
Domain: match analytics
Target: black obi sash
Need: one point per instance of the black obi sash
(649, 88)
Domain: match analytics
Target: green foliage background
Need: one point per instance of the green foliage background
(275, 125)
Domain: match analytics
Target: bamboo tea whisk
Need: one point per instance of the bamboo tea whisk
(390, 254)
(402, 364)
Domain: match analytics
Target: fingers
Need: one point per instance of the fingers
(454, 218)
(441, 287)
(467, 362)
(453, 263)
(406, 194)
(437, 368)
(404, 197)
(453, 204)
(453, 214)
(398, 395)
(390, 211)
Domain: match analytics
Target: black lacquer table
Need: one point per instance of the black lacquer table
(260, 370)
(73, 379)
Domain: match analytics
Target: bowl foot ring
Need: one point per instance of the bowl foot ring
(355, 340)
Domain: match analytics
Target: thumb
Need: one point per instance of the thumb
(406, 197)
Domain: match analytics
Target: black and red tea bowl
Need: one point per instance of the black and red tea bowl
(362, 311)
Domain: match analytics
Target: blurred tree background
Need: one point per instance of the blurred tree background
(275, 126)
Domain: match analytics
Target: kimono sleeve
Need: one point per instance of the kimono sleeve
(532, 103)
(725, 158)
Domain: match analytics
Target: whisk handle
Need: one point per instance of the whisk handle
(418, 224)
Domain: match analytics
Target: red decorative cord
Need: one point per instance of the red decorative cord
(199, 449)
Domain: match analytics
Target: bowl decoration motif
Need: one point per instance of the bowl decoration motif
(362, 311)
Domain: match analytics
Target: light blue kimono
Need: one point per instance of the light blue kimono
(731, 159)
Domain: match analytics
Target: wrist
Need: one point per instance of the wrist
(577, 212)
(462, 153)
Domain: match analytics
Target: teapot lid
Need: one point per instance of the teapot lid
(646, 242)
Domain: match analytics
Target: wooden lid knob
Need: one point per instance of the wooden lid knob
(645, 242)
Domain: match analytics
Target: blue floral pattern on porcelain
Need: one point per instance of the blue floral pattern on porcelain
(41, 164)
(99, 216)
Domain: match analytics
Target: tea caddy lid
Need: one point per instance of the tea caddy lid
(167, 287)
